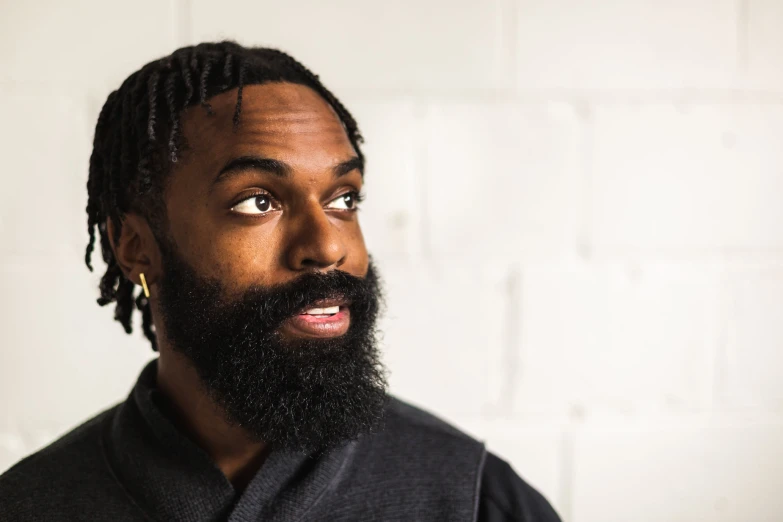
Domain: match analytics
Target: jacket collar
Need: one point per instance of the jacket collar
(173, 479)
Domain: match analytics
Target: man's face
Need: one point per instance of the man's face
(266, 284)
(254, 225)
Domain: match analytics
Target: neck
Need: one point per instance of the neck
(202, 420)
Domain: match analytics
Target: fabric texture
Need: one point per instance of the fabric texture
(505, 497)
(131, 463)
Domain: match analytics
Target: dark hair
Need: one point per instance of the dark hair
(138, 137)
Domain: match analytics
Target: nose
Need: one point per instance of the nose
(315, 242)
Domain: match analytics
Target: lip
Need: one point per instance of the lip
(303, 325)
(326, 303)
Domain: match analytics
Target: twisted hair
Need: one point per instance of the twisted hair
(138, 137)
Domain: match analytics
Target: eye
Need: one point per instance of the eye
(255, 205)
(348, 201)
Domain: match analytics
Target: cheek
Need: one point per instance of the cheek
(233, 253)
(248, 257)
(358, 257)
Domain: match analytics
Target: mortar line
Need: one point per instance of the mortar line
(184, 22)
(603, 96)
(585, 232)
(421, 168)
(509, 27)
(565, 491)
(743, 13)
(511, 343)
(720, 350)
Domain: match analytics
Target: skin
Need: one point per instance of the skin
(305, 230)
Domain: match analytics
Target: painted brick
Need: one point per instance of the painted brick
(694, 177)
(765, 44)
(752, 369)
(357, 44)
(444, 333)
(504, 179)
(43, 211)
(391, 215)
(616, 337)
(57, 336)
(627, 44)
(679, 471)
(88, 45)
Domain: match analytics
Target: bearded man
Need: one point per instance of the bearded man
(224, 186)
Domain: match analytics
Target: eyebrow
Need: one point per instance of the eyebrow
(278, 168)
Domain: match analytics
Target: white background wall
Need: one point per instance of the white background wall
(577, 207)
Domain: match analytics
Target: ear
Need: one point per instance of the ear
(136, 250)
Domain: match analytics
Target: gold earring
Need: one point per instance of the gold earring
(144, 285)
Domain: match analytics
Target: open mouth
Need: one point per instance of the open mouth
(322, 312)
(323, 318)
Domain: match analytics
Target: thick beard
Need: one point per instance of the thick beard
(293, 394)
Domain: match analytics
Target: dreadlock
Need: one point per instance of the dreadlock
(138, 137)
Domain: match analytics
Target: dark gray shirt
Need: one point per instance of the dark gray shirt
(130, 463)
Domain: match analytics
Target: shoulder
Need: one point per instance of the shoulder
(69, 449)
(408, 421)
(504, 496)
(412, 440)
(415, 465)
(57, 473)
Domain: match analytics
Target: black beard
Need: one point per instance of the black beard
(294, 394)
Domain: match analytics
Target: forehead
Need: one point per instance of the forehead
(286, 121)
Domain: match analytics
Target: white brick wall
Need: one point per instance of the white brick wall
(47, 147)
(678, 470)
(83, 46)
(753, 337)
(391, 218)
(513, 184)
(764, 44)
(688, 176)
(576, 206)
(625, 337)
(454, 366)
(442, 44)
(626, 44)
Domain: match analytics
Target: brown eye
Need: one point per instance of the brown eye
(258, 204)
(347, 201)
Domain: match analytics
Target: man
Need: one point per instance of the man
(224, 184)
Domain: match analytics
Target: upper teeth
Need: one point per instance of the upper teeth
(322, 311)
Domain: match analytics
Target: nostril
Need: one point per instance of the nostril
(311, 263)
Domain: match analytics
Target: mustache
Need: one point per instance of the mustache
(272, 305)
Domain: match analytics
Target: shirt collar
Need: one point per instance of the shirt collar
(171, 478)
